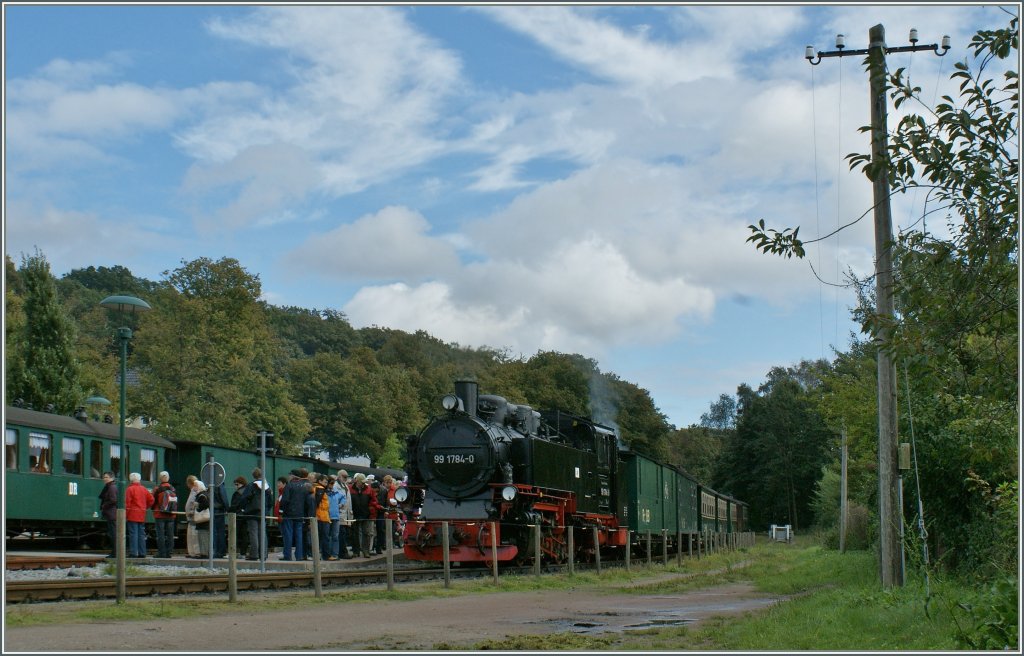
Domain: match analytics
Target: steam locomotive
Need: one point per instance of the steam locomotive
(492, 471)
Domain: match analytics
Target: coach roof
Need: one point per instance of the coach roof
(65, 424)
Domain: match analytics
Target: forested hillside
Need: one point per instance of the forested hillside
(215, 363)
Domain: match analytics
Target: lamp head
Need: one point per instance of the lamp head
(125, 304)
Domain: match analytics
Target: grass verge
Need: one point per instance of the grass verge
(828, 601)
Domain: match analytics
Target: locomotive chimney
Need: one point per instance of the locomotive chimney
(467, 391)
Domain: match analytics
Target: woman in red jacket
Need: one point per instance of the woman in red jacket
(136, 502)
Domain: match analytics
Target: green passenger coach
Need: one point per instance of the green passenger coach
(54, 466)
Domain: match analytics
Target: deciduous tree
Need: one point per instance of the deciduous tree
(43, 368)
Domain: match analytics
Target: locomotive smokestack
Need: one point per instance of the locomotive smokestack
(467, 391)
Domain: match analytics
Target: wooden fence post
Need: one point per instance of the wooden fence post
(536, 548)
(389, 560)
(314, 540)
(572, 550)
(232, 563)
(494, 551)
(446, 554)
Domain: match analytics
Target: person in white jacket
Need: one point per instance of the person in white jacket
(191, 536)
(340, 509)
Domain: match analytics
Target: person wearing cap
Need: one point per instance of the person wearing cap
(340, 510)
(293, 508)
(364, 509)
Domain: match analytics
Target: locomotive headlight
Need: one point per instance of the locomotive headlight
(508, 493)
(450, 402)
(401, 495)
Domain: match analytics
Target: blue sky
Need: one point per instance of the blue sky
(563, 178)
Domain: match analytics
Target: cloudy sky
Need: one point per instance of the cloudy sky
(564, 178)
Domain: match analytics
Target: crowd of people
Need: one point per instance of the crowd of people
(350, 515)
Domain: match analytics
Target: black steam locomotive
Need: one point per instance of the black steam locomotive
(493, 470)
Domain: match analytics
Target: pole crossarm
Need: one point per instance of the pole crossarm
(935, 47)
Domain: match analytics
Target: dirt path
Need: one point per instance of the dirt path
(395, 625)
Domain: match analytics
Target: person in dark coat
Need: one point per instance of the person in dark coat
(236, 506)
(164, 520)
(108, 508)
(220, 524)
(293, 508)
(249, 506)
(364, 510)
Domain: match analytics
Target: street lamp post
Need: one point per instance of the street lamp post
(95, 400)
(122, 304)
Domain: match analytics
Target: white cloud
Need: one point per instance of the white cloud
(392, 244)
(56, 119)
(668, 222)
(584, 297)
(72, 239)
(366, 91)
(430, 307)
(267, 178)
(607, 50)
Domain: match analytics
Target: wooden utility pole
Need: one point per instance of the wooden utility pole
(888, 474)
(888, 506)
(843, 506)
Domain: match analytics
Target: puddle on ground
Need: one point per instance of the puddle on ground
(653, 624)
(640, 619)
(625, 622)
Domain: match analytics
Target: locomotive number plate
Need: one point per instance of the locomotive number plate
(453, 458)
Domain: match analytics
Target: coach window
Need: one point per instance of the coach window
(40, 450)
(71, 447)
(95, 458)
(148, 457)
(115, 459)
(11, 453)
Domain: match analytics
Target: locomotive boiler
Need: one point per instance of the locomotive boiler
(494, 470)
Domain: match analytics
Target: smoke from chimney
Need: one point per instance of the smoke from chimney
(604, 405)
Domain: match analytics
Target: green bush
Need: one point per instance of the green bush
(993, 619)
(859, 530)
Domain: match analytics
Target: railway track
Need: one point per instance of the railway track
(146, 586)
(51, 562)
(143, 586)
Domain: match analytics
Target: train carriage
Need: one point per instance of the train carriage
(190, 457)
(708, 510)
(645, 494)
(687, 503)
(741, 517)
(54, 466)
(656, 497)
